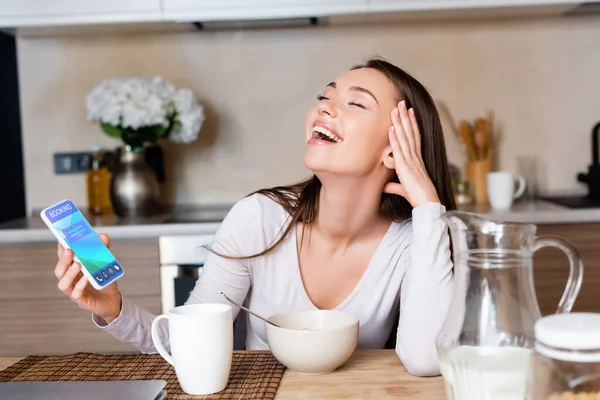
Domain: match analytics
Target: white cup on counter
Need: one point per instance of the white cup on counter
(201, 339)
(501, 189)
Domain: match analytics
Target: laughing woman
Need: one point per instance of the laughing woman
(363, 235)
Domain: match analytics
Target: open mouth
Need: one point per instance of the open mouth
(326, 135)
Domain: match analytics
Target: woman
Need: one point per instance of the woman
(363, 235)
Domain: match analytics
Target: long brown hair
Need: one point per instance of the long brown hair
(301, 200)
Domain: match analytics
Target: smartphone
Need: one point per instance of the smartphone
(74, 232)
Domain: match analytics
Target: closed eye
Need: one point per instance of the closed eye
(352, 103)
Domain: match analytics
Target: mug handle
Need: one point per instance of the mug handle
(157, 342)
(521, 187)
(575, 270)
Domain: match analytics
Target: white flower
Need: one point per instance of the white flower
(189, 115)
(142, 102)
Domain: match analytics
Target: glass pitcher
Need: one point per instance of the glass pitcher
(486, 340)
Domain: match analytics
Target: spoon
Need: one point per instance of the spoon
(582, 379)
(481, 144)
(247, 310)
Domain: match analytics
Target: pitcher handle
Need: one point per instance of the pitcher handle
(575, 270)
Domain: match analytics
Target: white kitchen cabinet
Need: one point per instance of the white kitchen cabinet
(427, 5)
(19, 13)
(422, 10)
(209, 10)
(57, 13)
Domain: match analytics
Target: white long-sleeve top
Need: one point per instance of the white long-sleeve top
(409, 277)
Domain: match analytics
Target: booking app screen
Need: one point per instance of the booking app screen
(85, 243)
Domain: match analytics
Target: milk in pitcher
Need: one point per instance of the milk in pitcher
(485, 373)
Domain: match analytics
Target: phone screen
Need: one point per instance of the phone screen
(94, 256)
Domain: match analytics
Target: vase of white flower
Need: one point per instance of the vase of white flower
(134, 190)
(140, 112)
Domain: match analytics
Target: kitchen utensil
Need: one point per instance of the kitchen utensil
(486, 339)
(247, 310)
(480, 124)
(201, 339)
(485, 125)
(501, 189)
(444, 111)
(485, 136)
(490, 123)
(313, 342)
(480, 140)
(467, 136)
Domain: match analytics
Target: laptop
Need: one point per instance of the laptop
(89, 390)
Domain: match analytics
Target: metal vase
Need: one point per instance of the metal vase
(134, 190)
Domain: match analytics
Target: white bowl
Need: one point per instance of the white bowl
(313, 342)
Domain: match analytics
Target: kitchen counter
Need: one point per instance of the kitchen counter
(369, 374)
(539, 213)
(207, 220)
(180, 221)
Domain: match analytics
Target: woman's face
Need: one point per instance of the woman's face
(347, 130)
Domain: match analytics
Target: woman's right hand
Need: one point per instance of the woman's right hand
(105, 303)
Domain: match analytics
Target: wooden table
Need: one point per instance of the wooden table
(369, 374)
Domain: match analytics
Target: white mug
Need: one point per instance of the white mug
(501, 189)
(201, 338)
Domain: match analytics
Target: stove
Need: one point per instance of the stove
(182, 214)
(574, 202)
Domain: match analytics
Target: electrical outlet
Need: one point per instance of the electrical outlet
(71, 163)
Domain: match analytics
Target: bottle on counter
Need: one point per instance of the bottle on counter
(463, 194)
(566, 361)
(98, 183)
(454, 174)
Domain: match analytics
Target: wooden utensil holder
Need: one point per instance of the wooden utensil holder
(477, 172)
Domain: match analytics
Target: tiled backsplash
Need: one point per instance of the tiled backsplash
(541, 77)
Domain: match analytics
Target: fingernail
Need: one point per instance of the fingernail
(74, 266)
(396, 111)
(403, 104)
(412, 111)
(392, 129)
(66, 251)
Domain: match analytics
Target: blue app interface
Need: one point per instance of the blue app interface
(85, 243)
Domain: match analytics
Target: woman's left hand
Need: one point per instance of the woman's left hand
(405, 139)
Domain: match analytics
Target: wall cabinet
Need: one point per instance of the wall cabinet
(453, 4)
(68, 12)
(206, 10)
(199, 10)
(36, 318)
(40, 13)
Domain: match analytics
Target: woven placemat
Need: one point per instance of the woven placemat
(254, 375)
